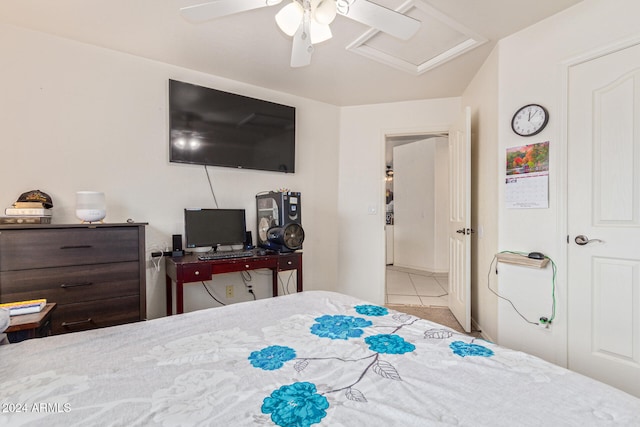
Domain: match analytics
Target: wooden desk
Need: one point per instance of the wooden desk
(34, 325)
(189, 269)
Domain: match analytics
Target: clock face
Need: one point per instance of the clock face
(529, 120)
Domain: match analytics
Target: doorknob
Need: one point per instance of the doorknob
(466, 231)
(583, 240)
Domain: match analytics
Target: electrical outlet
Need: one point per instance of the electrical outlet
(229, 291)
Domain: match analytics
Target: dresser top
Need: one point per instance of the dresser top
(58, 226)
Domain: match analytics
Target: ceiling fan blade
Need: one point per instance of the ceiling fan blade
(302, 47)
(217, 9)
(381, 18)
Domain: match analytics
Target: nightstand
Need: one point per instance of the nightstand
(27, 326)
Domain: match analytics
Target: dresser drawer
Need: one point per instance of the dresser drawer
(289, 262)
(96, 314)
(66, 285)
(196, 272)
(43, 248)
(241, 264)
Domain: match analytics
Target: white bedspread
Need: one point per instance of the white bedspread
(315, 358)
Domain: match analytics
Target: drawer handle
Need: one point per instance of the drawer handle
(76, 247)
(74, 285)
(197, 273)
(246, 266)
(289, 262)
(80, 322)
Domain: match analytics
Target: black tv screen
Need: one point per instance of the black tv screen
(216, 128)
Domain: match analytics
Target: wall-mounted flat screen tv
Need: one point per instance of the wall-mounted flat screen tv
(216, 128)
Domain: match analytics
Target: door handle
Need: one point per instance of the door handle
(583, 240)
(466, 231)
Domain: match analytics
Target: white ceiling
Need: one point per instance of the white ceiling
(249, 47)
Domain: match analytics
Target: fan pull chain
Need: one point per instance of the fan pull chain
(343, 6)
(306, 4)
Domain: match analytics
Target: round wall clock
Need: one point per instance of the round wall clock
(530, 120)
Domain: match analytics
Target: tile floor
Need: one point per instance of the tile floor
(414, 287)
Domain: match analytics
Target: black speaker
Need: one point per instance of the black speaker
(177, 245)
(248, 240)
(279, 221)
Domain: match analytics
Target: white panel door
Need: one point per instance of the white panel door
(460, 219)
(604, 219)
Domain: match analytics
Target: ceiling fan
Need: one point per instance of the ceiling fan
(307, 21)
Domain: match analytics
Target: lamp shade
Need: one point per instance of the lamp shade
(289, 18)
(324, 11)
(91, 206)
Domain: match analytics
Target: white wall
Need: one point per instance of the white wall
(413, 213)
(421, 205)
(361, 208)
(531, 70)
(79, 117)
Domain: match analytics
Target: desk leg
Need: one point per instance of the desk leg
(299, 278)
(274, 281)
(179, 300)
(169, 297)
(179, 297)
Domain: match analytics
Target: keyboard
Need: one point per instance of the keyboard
(225, 255)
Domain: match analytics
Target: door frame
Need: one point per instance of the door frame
(563, 179)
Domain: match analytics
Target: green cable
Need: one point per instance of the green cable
(542, 320)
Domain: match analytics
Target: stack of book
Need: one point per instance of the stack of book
(25, 307)
(26, 213)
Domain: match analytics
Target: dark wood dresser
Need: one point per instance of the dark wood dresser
(95, 273)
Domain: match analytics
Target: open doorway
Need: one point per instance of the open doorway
(417, 202)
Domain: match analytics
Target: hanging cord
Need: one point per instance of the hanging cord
(542, 320)
(285, 287)
(156, 262)
(246, 278)
(211, 186)
(159, 252)
(289, 281)
(211, 295)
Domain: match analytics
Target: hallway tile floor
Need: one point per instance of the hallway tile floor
(414, 287)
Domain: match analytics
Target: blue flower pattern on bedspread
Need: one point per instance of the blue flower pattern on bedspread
(301, 405)
(339, 327)
(463, 349)
(389, 344)
(297, 404)
(272, 357)
(371, 310)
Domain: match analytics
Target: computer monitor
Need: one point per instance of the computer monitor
(207, 229)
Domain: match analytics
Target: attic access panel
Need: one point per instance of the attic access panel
(439, 39)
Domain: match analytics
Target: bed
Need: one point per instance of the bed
(313, 358)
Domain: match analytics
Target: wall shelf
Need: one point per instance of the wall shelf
(523, 260)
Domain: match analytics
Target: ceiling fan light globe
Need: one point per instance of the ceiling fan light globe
(289, 18)
(319, 32)
(325, 11)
